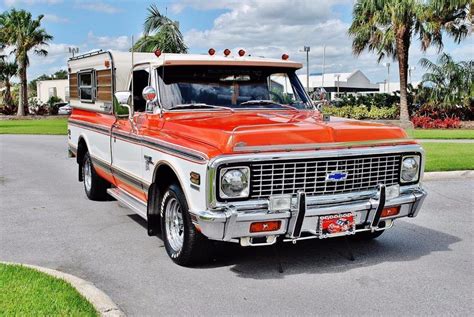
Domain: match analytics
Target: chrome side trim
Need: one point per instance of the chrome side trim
(316, 146)
(158, 145)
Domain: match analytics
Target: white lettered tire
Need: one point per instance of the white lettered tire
(184, 244)
(94, 186)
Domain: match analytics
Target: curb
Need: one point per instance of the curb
(101, 301)
(433, 176)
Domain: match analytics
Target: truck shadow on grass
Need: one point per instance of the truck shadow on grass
(404, 242)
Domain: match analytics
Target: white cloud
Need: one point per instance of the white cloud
(120, 43)
(270, 28)
(98, 6)
(55, 19)
(11, 3)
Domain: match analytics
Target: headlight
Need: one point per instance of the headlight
(410, 169)
(234, 182)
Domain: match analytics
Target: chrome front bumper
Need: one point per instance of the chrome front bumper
(301, 222)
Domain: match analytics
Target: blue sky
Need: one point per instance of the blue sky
(262, 27)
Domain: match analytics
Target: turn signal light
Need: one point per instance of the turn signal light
(265, 226)
(227, 52)
(390, 211)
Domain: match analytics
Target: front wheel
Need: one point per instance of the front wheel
(184, 244)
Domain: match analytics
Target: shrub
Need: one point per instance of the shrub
(362, 112)
(434, 112)
(36, 108)
(426, 122)
(53, 106)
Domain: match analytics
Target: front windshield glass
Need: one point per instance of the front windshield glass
(233, 87)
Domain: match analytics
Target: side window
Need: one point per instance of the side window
(87, 86)
(141, 79)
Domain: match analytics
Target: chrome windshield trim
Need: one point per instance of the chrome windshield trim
(214, 163)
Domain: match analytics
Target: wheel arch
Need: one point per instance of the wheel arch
(82, 148)
(164, 175)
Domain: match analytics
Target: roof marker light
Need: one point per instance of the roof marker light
(285, 57)
(227, 52)
(241, 53)
(157, 52)
(211, 51)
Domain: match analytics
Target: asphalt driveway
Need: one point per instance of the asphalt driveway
(423, 266)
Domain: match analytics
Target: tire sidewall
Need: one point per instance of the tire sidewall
(175, 192)
(87, 160)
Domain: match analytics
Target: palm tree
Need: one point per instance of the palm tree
(451, 82)
(387, 27)
(7, 71)
(160, 32)
(19, 30)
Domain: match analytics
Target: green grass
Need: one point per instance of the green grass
(447, 156)
(39, 126)
(27, 292)
(441, 134)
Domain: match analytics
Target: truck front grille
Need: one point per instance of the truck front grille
(309, 175)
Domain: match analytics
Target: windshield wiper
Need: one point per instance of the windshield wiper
(265, 102)
(197, 105)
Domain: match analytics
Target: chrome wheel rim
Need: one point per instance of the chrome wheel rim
(87, 174)
(174, 224)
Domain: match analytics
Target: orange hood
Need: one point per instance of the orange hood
(229, 132)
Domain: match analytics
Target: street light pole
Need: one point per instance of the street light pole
(307, 49)
(410, 69)
(337, 76)
(388, 77)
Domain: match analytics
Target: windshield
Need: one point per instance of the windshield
(233, 87)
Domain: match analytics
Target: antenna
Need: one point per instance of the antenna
(133, 102)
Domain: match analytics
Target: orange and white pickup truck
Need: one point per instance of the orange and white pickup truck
(231, 148)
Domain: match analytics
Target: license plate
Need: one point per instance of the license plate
(336, 225)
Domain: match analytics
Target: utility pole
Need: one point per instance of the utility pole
(307, 49)
(324, 66)
(337, 76)
(388, 77)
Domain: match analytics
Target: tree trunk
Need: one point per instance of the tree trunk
(403, 45)
(23, 100)
(8, 94)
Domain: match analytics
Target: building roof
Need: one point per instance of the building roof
(355, 79)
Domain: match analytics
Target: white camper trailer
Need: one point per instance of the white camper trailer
(95, 77)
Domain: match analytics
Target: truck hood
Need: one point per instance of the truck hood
(240, 131)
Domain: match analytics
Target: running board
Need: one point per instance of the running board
(128, 200)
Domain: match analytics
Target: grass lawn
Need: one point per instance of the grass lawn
(441, 134)
(27, 292)
(449, 156)
(40, 126)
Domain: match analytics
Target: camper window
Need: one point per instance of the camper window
(87, 86)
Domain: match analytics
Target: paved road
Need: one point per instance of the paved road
(421, 267)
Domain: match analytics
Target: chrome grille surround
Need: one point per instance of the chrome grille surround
(310, 175)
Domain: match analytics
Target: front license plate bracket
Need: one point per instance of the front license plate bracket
(337, 225)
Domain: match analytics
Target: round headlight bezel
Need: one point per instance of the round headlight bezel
(414, 172)
(224, 193)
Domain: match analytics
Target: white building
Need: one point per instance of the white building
(342, 83)
(45, 89)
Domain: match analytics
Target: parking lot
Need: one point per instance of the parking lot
(423, 266)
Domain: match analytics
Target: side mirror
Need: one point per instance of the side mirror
(149, 93)
(122, 104)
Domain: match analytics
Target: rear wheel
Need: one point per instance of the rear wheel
(183, 242)
(94, 186)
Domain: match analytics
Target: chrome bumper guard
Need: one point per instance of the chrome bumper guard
(301, 222)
